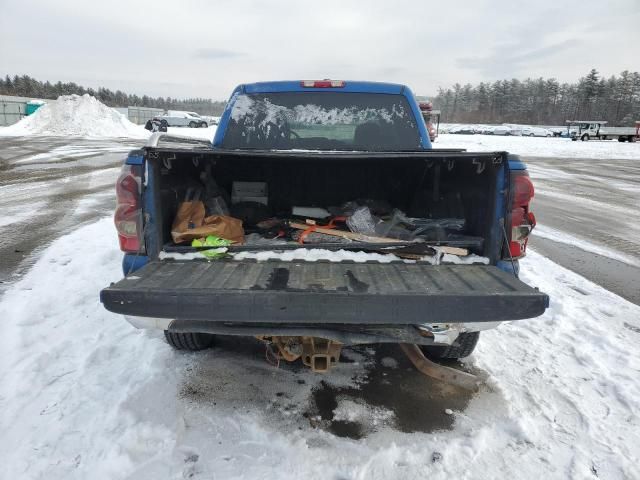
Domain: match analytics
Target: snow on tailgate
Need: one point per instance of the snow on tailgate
(84, 395)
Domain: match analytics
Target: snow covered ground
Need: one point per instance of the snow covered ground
(84, 395)
(541, 146)
(542, 231)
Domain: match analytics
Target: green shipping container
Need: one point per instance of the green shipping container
(32, 107)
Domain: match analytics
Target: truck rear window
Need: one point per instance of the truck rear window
(322, 121)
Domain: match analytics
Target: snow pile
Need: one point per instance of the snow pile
(84, 395)
(75, 115)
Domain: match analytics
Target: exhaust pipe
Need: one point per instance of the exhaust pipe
(439, 372)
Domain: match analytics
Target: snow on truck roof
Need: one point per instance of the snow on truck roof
(346, 86)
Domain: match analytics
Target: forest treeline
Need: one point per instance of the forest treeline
(25, 86)
(532, 101)
(543, 101)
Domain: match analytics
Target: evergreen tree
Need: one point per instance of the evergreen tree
(25, 86)
(543, 101)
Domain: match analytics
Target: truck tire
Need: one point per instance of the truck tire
(189, 341)
(585, 138)
(193, 124)
(621, 139)
(462, 347)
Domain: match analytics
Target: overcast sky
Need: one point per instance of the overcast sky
(188, 48)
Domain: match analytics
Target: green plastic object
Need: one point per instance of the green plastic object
(32, 107)
(212, 241)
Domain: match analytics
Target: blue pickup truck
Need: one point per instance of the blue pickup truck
(326, 144)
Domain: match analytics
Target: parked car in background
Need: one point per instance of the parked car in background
(536, 132)
(515, 130)
(500, 130)
(175, 118)
(211, 120)
(463, 129)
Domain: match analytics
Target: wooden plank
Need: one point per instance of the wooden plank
(463, 252)
(358, 237)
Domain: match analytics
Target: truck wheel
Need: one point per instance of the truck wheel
(192, 125)
(585, 138)
(462, 347)
(621, 139)
(189, 341)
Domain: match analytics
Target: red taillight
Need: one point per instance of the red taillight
(322, 83)
(522, 189)
(521, 219)
(128, 215)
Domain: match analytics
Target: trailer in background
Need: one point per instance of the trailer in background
(13, 109)
(141, 115)
(33, 105)
(596, 130)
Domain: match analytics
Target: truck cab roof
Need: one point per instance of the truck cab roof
(348, 86)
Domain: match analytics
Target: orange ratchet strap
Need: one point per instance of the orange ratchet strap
(331, 224)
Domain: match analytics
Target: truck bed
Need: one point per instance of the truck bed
(317, 292)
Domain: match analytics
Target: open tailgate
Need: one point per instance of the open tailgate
(323, 292)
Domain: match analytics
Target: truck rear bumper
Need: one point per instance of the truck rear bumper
(278, 292)
(425, 334)
(149, 322)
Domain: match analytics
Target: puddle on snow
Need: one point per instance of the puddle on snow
(373, 387)
(416, 403)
